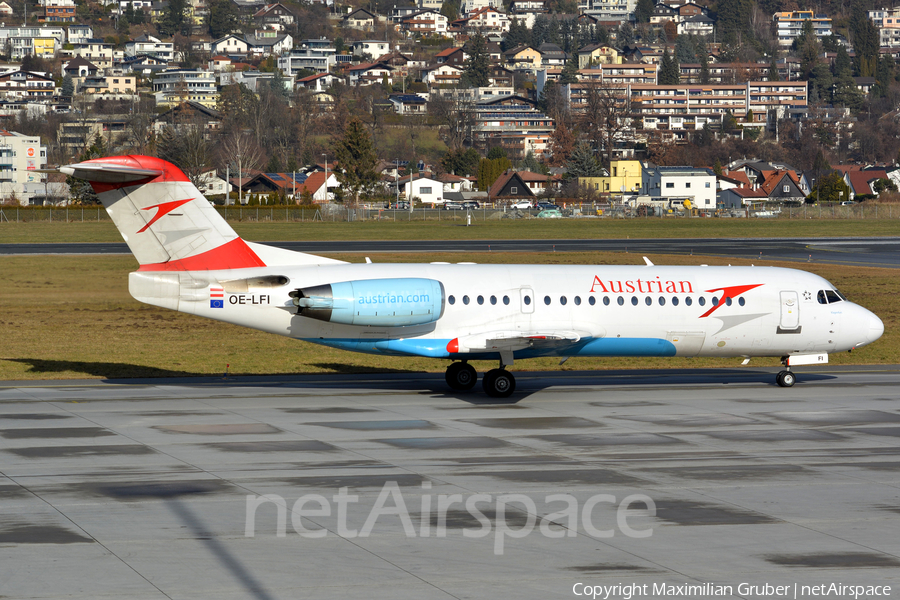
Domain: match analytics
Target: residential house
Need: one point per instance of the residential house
(148, 45)
(318, 83)
(360, 19)
(274, 16)
(696, 25)
(444, 74)
(57, 11)
(78, 67)
(523, 58)
(426, 22)
(369, 73)
(371, 48)
(861, 182)
(423, 189)
(552, 55)
(26, 85)
(519, 184)
(597, 54)
(451, 56)
(315, 55)
(78, 34)
(97, 51)
(680, 183)
(624, 176)
(487, 20)
(408, 104)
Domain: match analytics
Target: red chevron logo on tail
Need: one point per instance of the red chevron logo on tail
(164, 209)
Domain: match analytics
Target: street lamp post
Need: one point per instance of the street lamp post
(325, 158)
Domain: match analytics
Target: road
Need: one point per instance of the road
(865, 252)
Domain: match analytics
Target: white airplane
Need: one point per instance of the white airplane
(192, 261)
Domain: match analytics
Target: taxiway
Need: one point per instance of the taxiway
(139, 489)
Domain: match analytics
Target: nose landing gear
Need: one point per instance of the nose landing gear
(785, 378)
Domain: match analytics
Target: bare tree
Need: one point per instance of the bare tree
(239, 149)
(188, 149)
(605, 118)
(455, 116)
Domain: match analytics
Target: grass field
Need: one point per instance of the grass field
(65, 317)
(104, 231)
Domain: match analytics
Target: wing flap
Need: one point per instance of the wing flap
(108, 172)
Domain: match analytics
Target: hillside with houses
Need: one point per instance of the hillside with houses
(726, 104)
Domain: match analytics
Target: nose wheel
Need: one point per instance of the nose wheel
(785, 379)
(461, 376)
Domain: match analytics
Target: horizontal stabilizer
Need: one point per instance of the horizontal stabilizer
(108, 172)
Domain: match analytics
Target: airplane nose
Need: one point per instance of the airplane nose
(876, 328)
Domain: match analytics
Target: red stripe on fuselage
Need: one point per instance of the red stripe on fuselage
(235, 254)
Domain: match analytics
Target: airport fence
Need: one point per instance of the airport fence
(338, 213)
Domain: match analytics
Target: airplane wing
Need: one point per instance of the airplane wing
(511, 341)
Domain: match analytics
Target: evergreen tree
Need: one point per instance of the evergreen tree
(625, 36)
(570, 71)
(685, 52)
(842, 63)
(450, 9)
(669, 72)
(717, 168)
(883, 77)
(175, 20)
(519, 35)
(222, 18)
(461, 162)
(703, 56)
(643, 10)
(773, 71)
(478, 66)
(582, 163)
(866, 41)
(356, 159)
(68, 86)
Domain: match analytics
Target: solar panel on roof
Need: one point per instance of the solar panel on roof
(275, 177)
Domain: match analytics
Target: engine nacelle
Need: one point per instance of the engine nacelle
(380, 302)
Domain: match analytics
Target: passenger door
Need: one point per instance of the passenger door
(790, 312)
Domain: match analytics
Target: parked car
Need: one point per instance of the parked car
(521, 204)
(848, 203)
(550, 214)
(402, 205)
(453, 206)
(469, 204)
(547, 206)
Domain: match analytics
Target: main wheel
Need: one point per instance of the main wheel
(461, 376)
(785, 379)
(499, 383)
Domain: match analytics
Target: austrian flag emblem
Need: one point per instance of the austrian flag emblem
(216, 297)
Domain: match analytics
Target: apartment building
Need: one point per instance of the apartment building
(425, 22)
(57, 11)
(888, 24)
(789, 25)
(174, 86)
(21, 156)
(607, 10)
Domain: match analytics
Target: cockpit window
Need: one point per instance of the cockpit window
(829, 296)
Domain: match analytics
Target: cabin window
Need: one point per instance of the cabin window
(715, 301)
(688, 301)
(592, 301)
(701, 301)
(577, 300)
(547, 300)
(662, 301)
(465, 299)
(727, 301)
(480, 300)
(674, 300)
(493, 299)
(621, 301)
(741, 301)
(527, 300)
(506, 300)
(562, 300)
(648, 301)
(451, 299)
(605, 300)
(634, 301)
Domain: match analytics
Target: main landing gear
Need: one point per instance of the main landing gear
(497, 383)
(785, 379)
